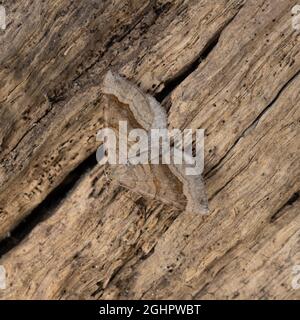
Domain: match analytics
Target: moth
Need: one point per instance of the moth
(165, 182)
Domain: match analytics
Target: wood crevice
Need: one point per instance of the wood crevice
(290, 202)
(16, 235)
(47, 207)
(173, 83)
(253, 124)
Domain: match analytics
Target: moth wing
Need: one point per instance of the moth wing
(150, 181)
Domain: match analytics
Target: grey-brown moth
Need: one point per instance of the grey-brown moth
(167, 183)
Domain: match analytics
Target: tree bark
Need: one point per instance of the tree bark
(229, 67)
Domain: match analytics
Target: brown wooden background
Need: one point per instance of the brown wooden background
(230, 67)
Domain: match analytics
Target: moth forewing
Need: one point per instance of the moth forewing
(147, 163)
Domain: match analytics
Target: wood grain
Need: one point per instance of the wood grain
(230, 67)
(50, 136)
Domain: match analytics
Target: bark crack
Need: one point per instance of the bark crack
(253, 124)
(280, 212)
(46, 208)
(187, 70)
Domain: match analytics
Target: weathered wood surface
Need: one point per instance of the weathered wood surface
(230, 67)
(59, 93)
